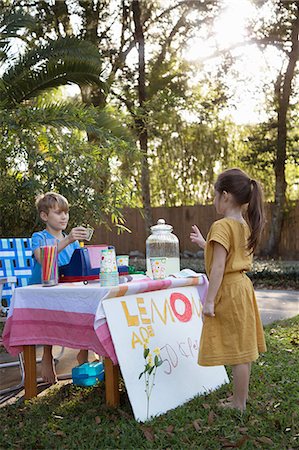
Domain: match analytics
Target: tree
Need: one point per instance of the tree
(160, 25)
(29, 124)
(282, 33)
(140, 121)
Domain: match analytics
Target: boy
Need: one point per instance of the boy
(53, 209)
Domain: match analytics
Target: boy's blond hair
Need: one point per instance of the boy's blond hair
(51, 200)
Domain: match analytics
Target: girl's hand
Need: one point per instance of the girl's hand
(208, 309)
(77, 234)
(197, 237)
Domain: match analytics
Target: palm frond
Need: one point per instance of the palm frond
(11, 23)
(65, 115)
(56, 63)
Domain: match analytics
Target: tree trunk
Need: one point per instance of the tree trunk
(283, 98)
(140, 120)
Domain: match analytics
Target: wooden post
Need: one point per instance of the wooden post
(111, 383)
(30, 371)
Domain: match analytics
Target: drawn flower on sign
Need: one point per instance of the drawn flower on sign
(152, 361)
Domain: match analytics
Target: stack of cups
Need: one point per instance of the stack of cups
(109, 273)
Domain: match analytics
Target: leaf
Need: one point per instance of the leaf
(242, 441)
(206, 406)
(124, 414)
(169, 429)
(97, 419)
(229, 444)
(265, 440)
(60, 433)
(196, 424)
(211, 417)
(145, 353)
(148, 433)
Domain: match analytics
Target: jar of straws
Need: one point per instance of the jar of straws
(49, 262)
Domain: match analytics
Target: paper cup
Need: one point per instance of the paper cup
(122, 260)
(109, 279)
(108, 261)
(158, 266)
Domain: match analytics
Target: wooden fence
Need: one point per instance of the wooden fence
(182, 218)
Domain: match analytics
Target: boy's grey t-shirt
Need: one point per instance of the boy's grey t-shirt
(64, 256)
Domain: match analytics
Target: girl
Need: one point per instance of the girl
(232, 330)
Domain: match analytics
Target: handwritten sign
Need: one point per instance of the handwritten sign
(169, 320)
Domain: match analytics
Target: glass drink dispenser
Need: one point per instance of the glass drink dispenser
(163, 243)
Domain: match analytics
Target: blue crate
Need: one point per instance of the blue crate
(88, 374)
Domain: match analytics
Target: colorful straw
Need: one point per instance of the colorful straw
(49, 262)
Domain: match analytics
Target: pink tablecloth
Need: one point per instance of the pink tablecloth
(72, 315)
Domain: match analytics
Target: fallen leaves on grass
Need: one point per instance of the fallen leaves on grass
(206, 406)
(148, 433)
(169, 430)
(265, 440)
(196, 424)
(211, 417)
(60, 433)
(225, 443)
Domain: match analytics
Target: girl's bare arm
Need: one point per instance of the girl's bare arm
(215, 279)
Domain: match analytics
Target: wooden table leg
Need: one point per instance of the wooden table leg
(30, 371)
(111, 383)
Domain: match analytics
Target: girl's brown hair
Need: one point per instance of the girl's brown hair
(245, 191)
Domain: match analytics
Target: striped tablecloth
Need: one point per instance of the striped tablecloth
(72, 315)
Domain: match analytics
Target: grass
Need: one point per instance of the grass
(69, 417)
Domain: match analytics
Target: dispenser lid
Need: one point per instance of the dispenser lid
(161, 226)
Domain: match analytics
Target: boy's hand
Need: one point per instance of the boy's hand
(77, 234)
(197, 237)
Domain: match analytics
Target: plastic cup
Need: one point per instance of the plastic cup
(122, 260)
(158, 266)
(49, 262)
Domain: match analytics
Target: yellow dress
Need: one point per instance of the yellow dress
(235, 335)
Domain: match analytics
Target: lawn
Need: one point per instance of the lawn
(69, 417)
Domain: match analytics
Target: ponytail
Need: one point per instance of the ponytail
(255, 215)
(245, 191)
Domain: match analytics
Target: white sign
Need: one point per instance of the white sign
(171, 321)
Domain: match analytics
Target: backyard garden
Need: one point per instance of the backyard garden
(128, 108)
